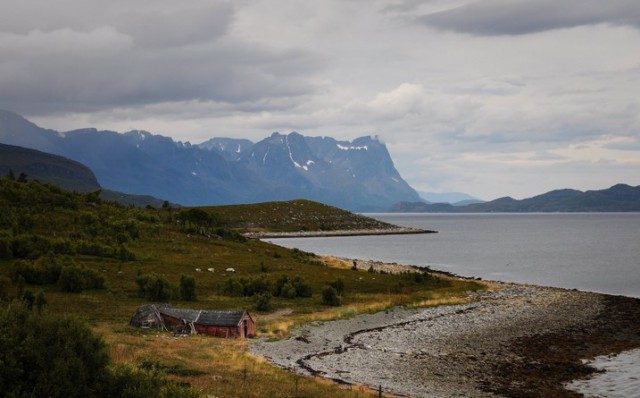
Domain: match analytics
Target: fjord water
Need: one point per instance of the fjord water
(597, 252)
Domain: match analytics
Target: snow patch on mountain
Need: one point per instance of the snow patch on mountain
(353, 148)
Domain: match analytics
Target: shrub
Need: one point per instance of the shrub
(303, 289)
(75, 279)
(154, 287)
(5, 247)
(125, 254)
(246, 287)
(49, 356)
(330, 296)
(27, 271)
(288, 291)
(233, 287)
(263, 302)
(187, 288)
(292, 288)
(338, 284)
(30, 246)
(5, 285)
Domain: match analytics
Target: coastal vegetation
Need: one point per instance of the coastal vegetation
(75, 258)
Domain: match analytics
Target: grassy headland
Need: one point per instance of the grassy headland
(97, 261)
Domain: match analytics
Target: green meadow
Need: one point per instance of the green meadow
(69, 255)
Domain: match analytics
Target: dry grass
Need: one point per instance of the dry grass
(215, 367)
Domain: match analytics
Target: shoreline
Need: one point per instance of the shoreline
(510, 340)
(338, 233)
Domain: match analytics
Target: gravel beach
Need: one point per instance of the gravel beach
(511, 340)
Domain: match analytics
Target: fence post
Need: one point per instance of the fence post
(380, 391)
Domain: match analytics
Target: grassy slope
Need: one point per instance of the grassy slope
(293, 216)
(213, 366)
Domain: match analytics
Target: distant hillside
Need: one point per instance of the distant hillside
(45, 167)
(293, 216)
(65, 173)
(618, 198)
(358, 175)
(454, 198)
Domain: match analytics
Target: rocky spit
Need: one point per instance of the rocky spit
(338, 233)
(512, 340)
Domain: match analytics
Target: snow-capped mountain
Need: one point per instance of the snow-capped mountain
(357, 175)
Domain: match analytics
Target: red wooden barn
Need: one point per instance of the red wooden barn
(235, 324)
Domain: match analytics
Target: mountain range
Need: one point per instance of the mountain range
(358, 175)
(618, 198)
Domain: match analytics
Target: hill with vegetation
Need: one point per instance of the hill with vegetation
(618, 198)
(65, 173)
(294, 216)
(46, 167)
(73, 269)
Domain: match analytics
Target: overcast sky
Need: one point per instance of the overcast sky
(487, 97)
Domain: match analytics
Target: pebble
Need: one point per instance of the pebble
(438, 351)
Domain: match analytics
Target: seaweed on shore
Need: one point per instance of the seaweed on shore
(550, 360)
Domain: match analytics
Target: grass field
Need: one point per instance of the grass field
(165, 247)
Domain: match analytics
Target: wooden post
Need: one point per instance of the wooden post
(380, 391)
(296, 394)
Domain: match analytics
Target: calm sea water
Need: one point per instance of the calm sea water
(594, 251)
(588, 251)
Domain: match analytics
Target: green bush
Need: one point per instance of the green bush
(303, 289)
(59, 357)
(5, 286)
(47, 356)
(187, 288)
(288, 291)
(27, 271)
(30, 246)
(338, 284)
(246, 287)
(233, 287)
(75, 279)
(292, 288)
(154, 287)
(330, 296)
(263, 302)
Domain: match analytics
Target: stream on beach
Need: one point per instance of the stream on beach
(586, 251)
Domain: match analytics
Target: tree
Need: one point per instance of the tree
(28, 299)
(338, 284)
(330, 296)
(49, 356)
(154, 287)
(263, 302)
(187, 288)
(41, 301)
(56, 357)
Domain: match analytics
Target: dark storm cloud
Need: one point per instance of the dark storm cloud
(518, 17)
(137, 56)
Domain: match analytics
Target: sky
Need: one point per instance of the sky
(487, 97)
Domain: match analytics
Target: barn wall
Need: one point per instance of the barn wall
(217, 331)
